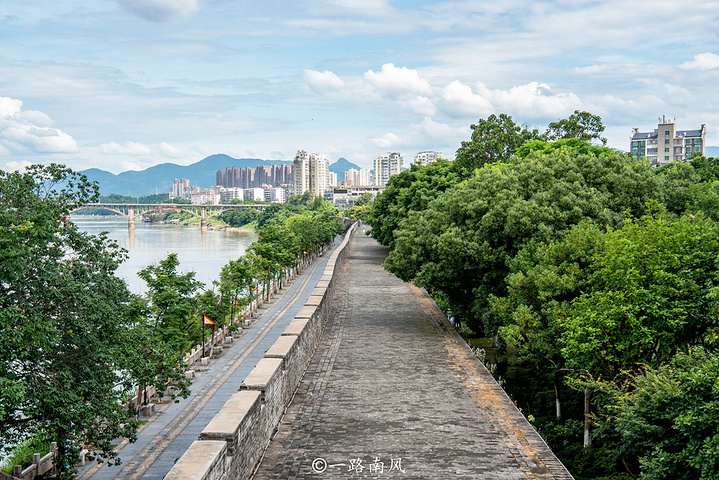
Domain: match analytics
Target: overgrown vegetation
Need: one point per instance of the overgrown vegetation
(76, 344)
(594, 275)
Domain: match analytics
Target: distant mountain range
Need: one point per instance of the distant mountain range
(159, 178)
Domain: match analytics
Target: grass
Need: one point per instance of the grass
(22, 454)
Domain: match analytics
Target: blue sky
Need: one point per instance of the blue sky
(127, 84)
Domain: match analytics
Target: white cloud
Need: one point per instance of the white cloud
(533, 100)
(128, 148)
(30, 131)
(702, 61)
(388, 140)
(428, 128)
(419, 105)
(393, 81)
(160, 10)
(322, 81)
(462, 101)
(16, 166)
(169, 151)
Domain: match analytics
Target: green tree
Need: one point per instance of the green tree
(410, 190)
(462, 243)
(665, 420)
(706, 168)
(580, 124)
(365, 199)
(648, 297)
(237, 282)
(66, 329)
(543, 280)
(494, 139)
(174, 315)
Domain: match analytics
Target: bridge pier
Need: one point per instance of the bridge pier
(130, 216)
(203, 217)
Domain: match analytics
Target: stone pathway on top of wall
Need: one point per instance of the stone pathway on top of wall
(393, 392)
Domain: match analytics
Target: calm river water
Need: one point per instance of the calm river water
(204, 253)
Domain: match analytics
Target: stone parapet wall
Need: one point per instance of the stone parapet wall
(232, 444)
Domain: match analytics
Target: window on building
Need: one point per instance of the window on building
(666, 157)
(666, 132)
(666, 141)
(666, 150)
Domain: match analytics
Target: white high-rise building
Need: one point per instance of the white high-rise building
(311, 173)
(426, 157)
(362, 177)
(385, 166)
(181, 188)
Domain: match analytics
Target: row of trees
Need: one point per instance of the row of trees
(596, 274)
(76, 344)
(73, 349)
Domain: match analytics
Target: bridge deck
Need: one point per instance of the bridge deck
(393, 392)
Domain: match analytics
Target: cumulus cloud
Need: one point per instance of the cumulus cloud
(30, 131)
(16, 166)
(462, 100)
(428, 128)
(159, 10)
(322, 81)
(386, 141)
(533, 100)
(702, 61)
(393, 81)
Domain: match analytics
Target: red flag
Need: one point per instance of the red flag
(206, 320)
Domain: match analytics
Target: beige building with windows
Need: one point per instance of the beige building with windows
(667, 144)
(311, 173)
(426, 157)
(385, 166)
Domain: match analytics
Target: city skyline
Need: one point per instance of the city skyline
(127, 84)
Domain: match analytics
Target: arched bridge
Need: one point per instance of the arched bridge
(134, 210)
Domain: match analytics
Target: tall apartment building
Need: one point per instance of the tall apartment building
(181, 188)
(427, 157)
(253, 177)
(361, 177)
(667, 144)
(311, 173)
(385, 166)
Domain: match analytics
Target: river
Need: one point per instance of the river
(202, 252)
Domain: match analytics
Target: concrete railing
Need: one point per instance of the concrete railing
(232, 444)
(40, 465)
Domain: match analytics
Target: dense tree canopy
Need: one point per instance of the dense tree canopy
(494, 139)
(580, 124)
(599, 275)
(462, 243)
(66, 327)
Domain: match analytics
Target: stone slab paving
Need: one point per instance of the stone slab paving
(394, 392)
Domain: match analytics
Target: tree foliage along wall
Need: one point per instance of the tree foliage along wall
(599, 276)
(461, 244)
(66, 327)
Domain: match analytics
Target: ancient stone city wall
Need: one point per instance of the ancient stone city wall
(233, 442)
